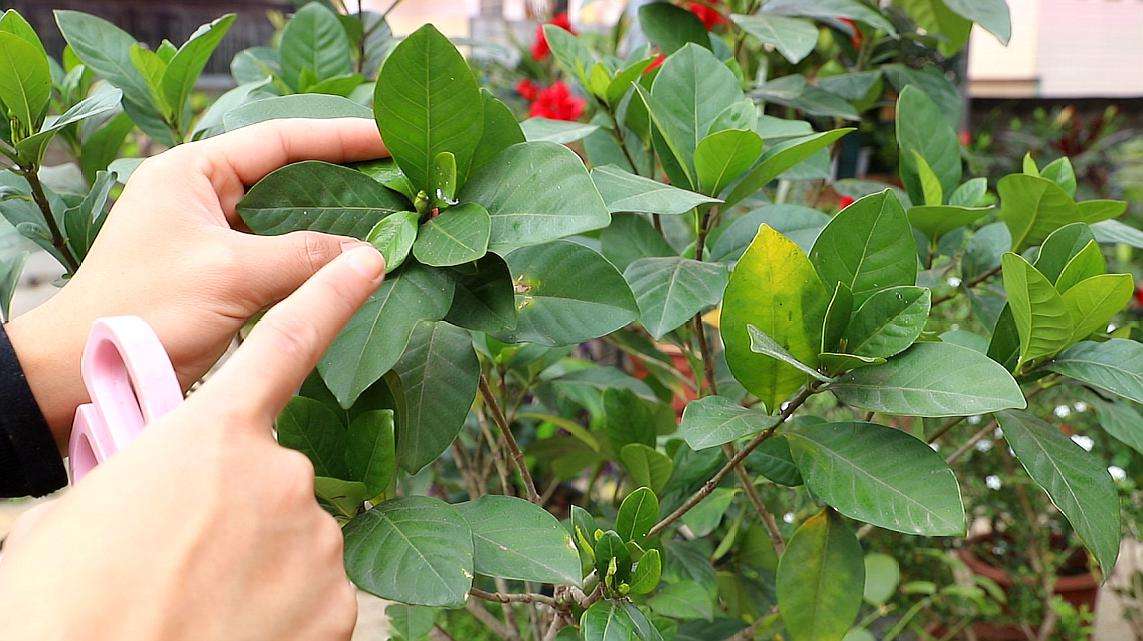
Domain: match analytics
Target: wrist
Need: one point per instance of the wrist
(49, 356)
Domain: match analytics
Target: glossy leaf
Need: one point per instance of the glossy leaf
(1060, 247)
(837, 318)
(376, 336)
(314, 41)
(306, 105)
(889, 322)
(484, 300)
(25, 82)
(317, 196)
(184, 68)
(760, 343)
(882, 575)
(458, 235)
(369, 451)
(500, 132)
(631, 237)
(106, 50)
(723, 156)
(646, 576)
(931, 379)
(991, 14)
(1123, 421)
(558, 131)
(393, 237)
(416, 550)
(1076, 481)
(682, 600)
(1033, 207)
(637, 514)
(820, 579)
(1043, 320)
(566, 294)
(936, 221)
(671, 27)
(101, 101)
(832, 9)
(773, 274)
(714, 420)
(1087, 262)
(516, 539)
(438, 372)
(1115, 366)
(535, 192)
(800, 224)
(315, 430)
(879, 475)
(670, 291)
(922, 129)
(1094, 301)
(868, 246)
(780, 158)
(606, 620)
(427, 101)
(793, 38)
(647, 466)
(627, 192)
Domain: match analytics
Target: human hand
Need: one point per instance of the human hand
(171, 253)
(204, 528)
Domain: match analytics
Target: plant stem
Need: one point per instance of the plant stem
(509, 439)
(484, 616)
(59, 241)
(969, 285)
(713, 482)
(752, 493)
(500, 597)
(980, 434)
(497, 457)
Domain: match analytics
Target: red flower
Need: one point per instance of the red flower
(708, 15)
(656, 63)
(540, 49)
(558, 103)
(1139, 295)
(527, 89)
(965, 138)
(857, 36)
(844, 201)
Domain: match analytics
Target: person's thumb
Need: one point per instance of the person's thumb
(286, 344)
(277, 265)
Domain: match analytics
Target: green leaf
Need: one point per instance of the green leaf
(879, 475)
(611, 548)
(313, 41)
(630, 237)
(630, 419)
(800, 224)
(83, 221)
(714, 420)
(760, 343)
(106, 50)
(795, 39)
(458, 235)
(931, 190)
(1086, 263)
(833, 9)
(889, 322)
(315, 430)
(932, 379)
(683, 600)
(1094, 301)
(1033, 207)
(921, 129)
(773, 274)
(646, 576)
(723, 156)
(1093, 211)
(25, 81)
(984, 250)
(1061, 172)
(671, 28)
(626, 192)
(306, 105)
(369, 450)
(14, 23)
(882, 575)
(781, 157)
(566, 294)
(427, 101)
(410, 623)
(868, 246)
(773, 460)
(1043, 321)
(442, 185)
(101, 101)
(341, 498)
(211, 122)
(619, 85)
(570, 52)
(515, 539)
(1115, 366)
(837, 317)
(500, 132)
(393, 237)
(936, 221)
(991, 14)
(415, 550)
(1115, 232)
(317, 196)
(438, 372)
(703, 518)
(692, 88)
(970, 193)
(637, 514)
(484, 300)
(183, 70)
(951, 30)
(375, 337)
(820, 579)
(558, 131)
(670, 291)
(1076, 481)
(647, 466)
(607, 620)
(536, 192)
(1122, 421)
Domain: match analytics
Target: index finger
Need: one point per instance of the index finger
(263, 374)
(240, 158)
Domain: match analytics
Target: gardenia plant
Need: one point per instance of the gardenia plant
(821, 398)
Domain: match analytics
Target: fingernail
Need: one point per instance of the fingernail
(365, 260)
(350, 243)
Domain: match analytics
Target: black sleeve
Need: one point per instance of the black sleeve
(30, 464)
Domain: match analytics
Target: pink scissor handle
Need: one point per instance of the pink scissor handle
(131, 383)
